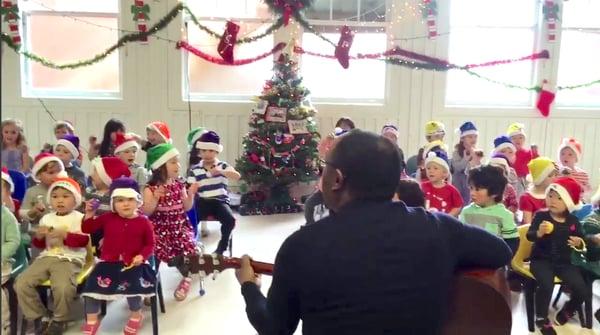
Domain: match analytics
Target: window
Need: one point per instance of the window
(65, 31)
(488, 30)
(209, 81)
(364, 80)
(579, 53)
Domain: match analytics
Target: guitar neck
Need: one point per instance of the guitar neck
(259, 267)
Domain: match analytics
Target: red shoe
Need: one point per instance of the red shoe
(89, 328)
(133, 326)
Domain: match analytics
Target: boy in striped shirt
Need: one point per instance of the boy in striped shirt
(213, 176)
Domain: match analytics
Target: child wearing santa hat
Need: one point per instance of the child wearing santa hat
(439, 194)
(124, 270)
(10, 240)
(166, 201)
(126, 148)
(569, 154)
(434, 135)
(156, 132)
(542, 171)
(62, 257)
(555, 234)
(509, 197)
(213, 176)
(193, 152)
(67, 150)
(523, 155)
(390, 132)
(46, 169)
(464, 158)
(591, 231)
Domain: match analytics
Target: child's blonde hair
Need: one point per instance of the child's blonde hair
(17, 124)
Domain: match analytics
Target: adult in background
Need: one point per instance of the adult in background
(374, 266)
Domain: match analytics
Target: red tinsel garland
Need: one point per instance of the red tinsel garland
(220, 61)
(420, 57)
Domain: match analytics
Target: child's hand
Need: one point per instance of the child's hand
(596, 239)
(575, 242)
(159, 192)
(215, 170)
(137, 260)
(91, 206)
(193, 188)
(545, 228)
(41, 232)
(57, 233)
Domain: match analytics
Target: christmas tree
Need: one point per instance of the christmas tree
(281, 146)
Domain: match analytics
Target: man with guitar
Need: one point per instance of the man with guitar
(376, 266)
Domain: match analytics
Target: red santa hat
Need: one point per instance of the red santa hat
(162, 129)
(573, 144)
(569, 190)
(41, 160)
(69, 185)
(110, 168)
(6, 177)
(124, 142)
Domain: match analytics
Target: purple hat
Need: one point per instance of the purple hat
(125, 187)
(71, 142)
(209, 141)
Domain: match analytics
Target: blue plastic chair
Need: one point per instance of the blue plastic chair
(20, 181)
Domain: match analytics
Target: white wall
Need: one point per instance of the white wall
(151, 84)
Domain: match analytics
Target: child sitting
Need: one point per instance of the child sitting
(509, 198)
(213, 175)
(15, 153)
(106, 148)
(543, 171)
(122, 271)
(10, 239)
(409, 191)
(503, 145)
(523, 155)
(390, 132)
(591, 231)
(64, 249)
(464, 158)
(156, 133)
(569, 153)
(487, 184)
(555, 233)
(67, 150)
(439, 194)
(104, 171)
(126, 149)
(434, 132)
(45, 170)
(166, 202)
(61, 129)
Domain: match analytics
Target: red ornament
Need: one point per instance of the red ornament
(545, 99)
(343, 48)
(227, 42)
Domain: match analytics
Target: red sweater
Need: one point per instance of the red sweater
(123, 238)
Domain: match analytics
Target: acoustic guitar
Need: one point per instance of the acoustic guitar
(479, 299)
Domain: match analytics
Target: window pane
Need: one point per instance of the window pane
(79, 41)
(103, 6)
(230, 8)
(505, 13)
(482, 44)
(211, 79)
(579, 54)
(325, 78)
(581, 14)
(348, 10)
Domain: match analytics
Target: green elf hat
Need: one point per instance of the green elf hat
(194, 135)
(159, 154)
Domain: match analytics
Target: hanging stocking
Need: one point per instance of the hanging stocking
(10, 11)
(140, 13)
(430, 15)
(545, 99)
(227, 42)
(550, 11)
(343, 48)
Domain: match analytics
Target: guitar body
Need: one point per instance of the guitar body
(479, 299)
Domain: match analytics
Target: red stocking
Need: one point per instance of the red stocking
(545, 99)
(343, 48)
(227, 42)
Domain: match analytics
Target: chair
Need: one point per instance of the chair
(521, 268)
(411, 165)
(18, 267)
(81, 278)
(203, 224)
(20, 181)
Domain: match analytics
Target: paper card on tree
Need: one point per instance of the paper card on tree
(276, 114)
(298, 126)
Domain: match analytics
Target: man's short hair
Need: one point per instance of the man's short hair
(491, 178)
(370, 164)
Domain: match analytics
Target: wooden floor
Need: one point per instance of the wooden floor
(222, 311)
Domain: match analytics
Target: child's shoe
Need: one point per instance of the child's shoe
(563, 316)
(545, 327)
(133, 326)
(182, 289)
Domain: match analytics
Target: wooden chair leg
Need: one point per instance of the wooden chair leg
(560, 292)
(529, 288)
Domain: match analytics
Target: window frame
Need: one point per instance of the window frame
(27, 91)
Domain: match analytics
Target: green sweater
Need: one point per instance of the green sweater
(496, 219)
(11, 238)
